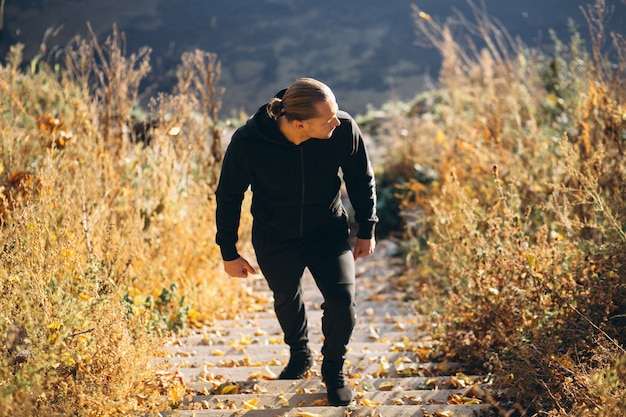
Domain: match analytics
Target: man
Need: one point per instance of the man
(291, 153)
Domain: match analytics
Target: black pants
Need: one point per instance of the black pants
(328, 257)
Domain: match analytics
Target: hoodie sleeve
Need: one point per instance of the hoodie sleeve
(233, 183)
(360, 183)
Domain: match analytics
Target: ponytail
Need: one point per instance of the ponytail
(275, 108)
(298, 101)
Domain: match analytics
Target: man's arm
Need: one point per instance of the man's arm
(358, 175)
(233, 182)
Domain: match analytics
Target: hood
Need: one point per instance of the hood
(265, 126)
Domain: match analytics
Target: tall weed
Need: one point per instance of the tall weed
(107, 228)
(512, 194)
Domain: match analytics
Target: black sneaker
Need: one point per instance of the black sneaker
(337, 391)
(299, 364)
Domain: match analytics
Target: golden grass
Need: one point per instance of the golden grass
(509, 179)
(511, 185)
(107, 244)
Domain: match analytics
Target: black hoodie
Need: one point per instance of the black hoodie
(295, 188)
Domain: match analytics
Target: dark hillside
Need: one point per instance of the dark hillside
(365, 50)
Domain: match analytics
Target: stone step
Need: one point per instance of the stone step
(311, 399)
(280, 349)
(382, 306)
(279, 355)
(270, 323)
(360, 385)
(239, 339)
(469, 410)
(201, 372)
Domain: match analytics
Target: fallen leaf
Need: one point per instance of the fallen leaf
(373, 334)
(251, 404)
(387, 386)
(305, 414)
(230, 389)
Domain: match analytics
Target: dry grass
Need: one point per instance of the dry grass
(509, 180)
(107, 242)
(512, 192)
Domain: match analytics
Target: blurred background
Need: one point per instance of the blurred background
(365, 50)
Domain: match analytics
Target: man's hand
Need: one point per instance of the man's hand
(363, 247)
(238, 268)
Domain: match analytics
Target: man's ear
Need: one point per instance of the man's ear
(299, 124)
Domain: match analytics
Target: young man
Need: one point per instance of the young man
(291, 153)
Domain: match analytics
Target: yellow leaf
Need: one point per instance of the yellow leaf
(193, 314)
(55, 325)
(251, 405)
(432, 382)
(305, 414)
(229, 389)
(472, 401)
(174, 396)
(386, 386)
(383, 365)
(458, 383)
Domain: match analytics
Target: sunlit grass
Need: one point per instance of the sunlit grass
(107, 242)
(511, 184)
(509, 180)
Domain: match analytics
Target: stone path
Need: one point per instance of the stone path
(231, 367)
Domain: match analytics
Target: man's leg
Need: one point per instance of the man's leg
(332, 265)
(283, 269)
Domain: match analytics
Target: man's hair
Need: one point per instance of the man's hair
(298, 102)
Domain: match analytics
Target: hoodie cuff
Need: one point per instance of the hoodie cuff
(366, 231)
(229, 253)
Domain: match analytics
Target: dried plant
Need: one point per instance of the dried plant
(107, 231)
(511, 188)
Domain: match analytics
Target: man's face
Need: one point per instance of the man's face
(323, 125)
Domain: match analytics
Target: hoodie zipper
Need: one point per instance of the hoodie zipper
(302, 196)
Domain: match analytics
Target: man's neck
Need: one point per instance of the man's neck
(292, 134)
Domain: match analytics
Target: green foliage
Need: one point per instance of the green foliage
(167, 313)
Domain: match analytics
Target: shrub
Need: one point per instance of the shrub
(107, 221)
(518, 224)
